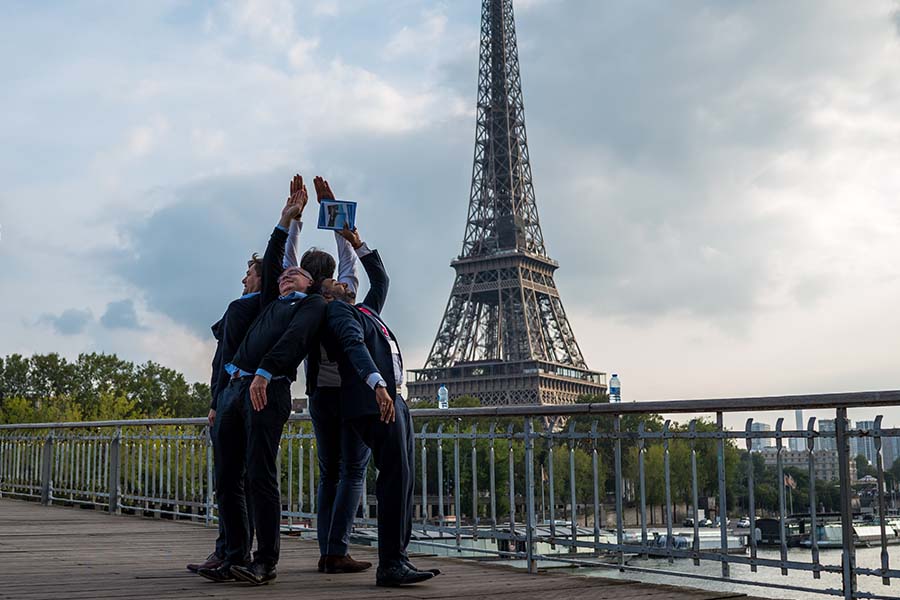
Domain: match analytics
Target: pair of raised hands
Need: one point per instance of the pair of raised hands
(296, 202)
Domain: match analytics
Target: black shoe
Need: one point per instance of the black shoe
(322, 564)
(212, 561)
(256, 573)
(220, 574)
(399, 574)
(434, 572)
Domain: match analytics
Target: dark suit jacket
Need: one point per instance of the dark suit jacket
(378, 287)
(358, 343)
(229, 332)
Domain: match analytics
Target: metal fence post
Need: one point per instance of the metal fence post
(848, 561)
(210, 494)
(47, 470)
(529, 497)
(114, 465)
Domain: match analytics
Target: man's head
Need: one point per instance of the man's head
(336, 290)
(320, 265)
(253, 279)
(294, 279)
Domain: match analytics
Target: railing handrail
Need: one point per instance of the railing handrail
(869, 399)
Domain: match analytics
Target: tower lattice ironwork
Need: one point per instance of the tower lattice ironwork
(504, 337)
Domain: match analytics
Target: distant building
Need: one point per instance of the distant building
(759, 444)
(798, 444)
(826, 467)
(826, 426)
(890, 450)
(864, 445)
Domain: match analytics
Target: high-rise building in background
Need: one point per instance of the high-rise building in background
(504, 337)
(798, 444)
(826, 426)
(863, 445)
(758, 444)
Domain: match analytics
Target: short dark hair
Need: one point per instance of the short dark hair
(255, 262)
(320, 265)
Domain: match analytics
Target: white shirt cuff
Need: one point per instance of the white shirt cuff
(373, 379)
(363, 250)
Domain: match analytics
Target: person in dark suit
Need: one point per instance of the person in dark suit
(229, 332)
(256, 403)
(371, 369)
(342, 455)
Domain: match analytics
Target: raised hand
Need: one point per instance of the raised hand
(299, 196)
(352, 236)
(296, 202)
(323, 190)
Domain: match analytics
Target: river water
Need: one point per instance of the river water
(865, 557)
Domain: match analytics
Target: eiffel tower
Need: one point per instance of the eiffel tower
(504, 338)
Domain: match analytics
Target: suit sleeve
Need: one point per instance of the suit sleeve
(298, 338)
(378, 281)
(350, 336)
(272, 265)
(217, 364)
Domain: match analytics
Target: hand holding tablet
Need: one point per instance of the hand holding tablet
(333, 214)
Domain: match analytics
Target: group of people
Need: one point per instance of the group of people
(291, 312)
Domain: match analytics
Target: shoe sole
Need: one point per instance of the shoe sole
(337, 571)
(213, 579)
(401, 583)
(250, 579)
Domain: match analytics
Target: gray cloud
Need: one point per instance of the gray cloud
(120, 315)
(71, 321)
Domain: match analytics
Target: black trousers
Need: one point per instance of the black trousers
(246, 442)
(392, 450)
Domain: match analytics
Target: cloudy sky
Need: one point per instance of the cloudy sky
(718, 180)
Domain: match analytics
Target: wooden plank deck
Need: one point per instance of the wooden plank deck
(57, 552)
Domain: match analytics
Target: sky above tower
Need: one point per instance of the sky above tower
(717, 180)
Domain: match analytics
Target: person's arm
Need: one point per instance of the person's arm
(349, 334)
(274, 258)
(301, 334)
(217, 364)
(378, 278)
(348, 272)
(292, 246)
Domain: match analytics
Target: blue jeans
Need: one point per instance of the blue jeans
(343, 458)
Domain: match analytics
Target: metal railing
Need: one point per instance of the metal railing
(478, 492)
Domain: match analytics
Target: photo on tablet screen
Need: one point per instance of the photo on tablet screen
(334, 214)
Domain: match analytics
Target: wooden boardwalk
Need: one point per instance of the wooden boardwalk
(56, 552)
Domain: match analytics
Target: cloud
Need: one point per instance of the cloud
(71, 321)
(120, 315)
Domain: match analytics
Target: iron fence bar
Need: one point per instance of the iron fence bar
(879, 465)
(723, 504)
(529, 496)
(573, 501)
(617, 427)
(692, 429)
(780, 482)
(426, 510)
(813, 525)
(848, 559)
(457, 508)
(596, 482)
(551, 486)
(668, 482)
(493, 477)
(474, 484)
(642, 451)
(440, 477)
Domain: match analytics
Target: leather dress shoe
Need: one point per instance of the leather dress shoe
(256, 573)
(398, 574)
(434, 572)
(220, 574)
(345, 564)
(321, 566)
(212, 562)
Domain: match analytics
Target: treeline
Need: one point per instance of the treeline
(49, 388)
